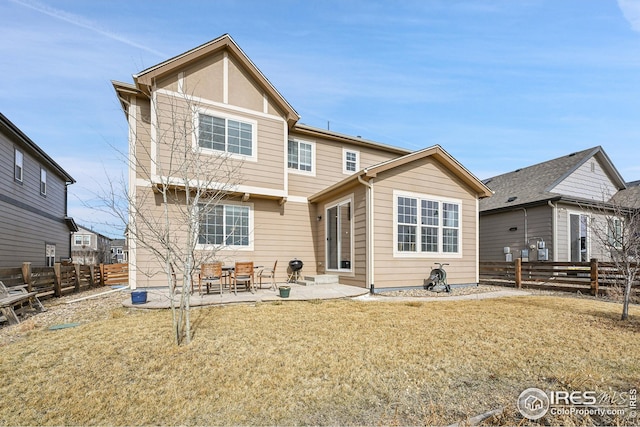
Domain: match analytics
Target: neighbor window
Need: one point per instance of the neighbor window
(300, 155)
(350, 161)
(224, 134)
(18, 169)
(82, 239)
(43, 182)
(427, 225)
(50, 254)
(615, 233)
(224, 225)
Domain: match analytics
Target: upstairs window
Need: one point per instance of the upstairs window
(18, 169)
(82, 240)
(300, 155)
(225, 134)
(43, 182)
(350, 161)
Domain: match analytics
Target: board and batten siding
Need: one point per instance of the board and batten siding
(507, 229)
(589, 181)
(429, 178)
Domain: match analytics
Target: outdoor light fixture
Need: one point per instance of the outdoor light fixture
(513, 229)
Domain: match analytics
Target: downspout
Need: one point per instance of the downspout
(369, 271)
(554, 229)
(526, 232)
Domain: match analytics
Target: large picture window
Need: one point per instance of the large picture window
(225, 134)
(427, 225)
(300, 155)
(225, 225)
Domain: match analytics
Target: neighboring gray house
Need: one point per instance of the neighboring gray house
(119, 251)
(34, 224)
(543, 212)
(89, 247)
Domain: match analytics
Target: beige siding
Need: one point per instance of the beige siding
(496, 234)
(357, 276)
(329, 165)
(246, 93)
(279, 233)
(589, 181)
(176, 135)
(426, 177)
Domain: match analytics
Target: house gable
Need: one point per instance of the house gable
(236, 70)
(593, 179)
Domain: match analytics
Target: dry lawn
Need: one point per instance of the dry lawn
(321, 362)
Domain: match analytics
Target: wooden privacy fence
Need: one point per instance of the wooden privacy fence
(62, 279)
(587, 277)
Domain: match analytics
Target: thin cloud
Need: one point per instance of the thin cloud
(81, 22)
(631, 11)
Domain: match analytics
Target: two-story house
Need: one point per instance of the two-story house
(548, 211)
(88, 247)
(34, 223)
(370, 213)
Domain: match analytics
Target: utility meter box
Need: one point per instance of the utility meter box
(543, 254)
(524, 254)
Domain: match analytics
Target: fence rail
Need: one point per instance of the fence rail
(587, 277)
(63, 279)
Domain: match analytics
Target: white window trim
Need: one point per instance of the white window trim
(43, 181)
(210, 247)
(344, 161)
(222, 115)
(20, 164)
(350, 271)
(419, 254)
(312, 172)
(589, 219)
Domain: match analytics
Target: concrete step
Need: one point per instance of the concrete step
(322, 279)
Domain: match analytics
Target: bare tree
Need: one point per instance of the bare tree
(173, 185)
(615, 225)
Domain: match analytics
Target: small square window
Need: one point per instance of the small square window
(351, 161)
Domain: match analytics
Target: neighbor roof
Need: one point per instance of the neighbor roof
(17, 135)
(532, 184)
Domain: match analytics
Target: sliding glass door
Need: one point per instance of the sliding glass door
(339, 236)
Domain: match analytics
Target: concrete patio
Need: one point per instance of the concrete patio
(158, 297)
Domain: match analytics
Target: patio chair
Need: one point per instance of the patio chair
(211, 275)
(268, 273)
(243, 273)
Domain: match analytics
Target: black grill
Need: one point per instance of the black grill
(295, 265)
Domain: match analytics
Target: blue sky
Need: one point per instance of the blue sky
(499, 84)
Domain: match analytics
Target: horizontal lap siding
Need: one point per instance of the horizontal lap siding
(266, 173)
(280, 233)
(329, 168)
(425, 177)
(28, 220)
(495, 232)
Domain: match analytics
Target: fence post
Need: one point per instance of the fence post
(594, 276)
(57, 285)
(92, 275)
(77, 278)
(101, 274)
(26, 275)
(518, 272)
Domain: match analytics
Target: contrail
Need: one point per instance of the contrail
(83, 23)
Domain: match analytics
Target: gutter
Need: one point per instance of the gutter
(369, 271)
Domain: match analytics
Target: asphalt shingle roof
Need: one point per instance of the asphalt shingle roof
(531, 184)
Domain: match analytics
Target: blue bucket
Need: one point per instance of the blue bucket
(138, 297)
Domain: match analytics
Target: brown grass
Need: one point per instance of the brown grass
(321, 363)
